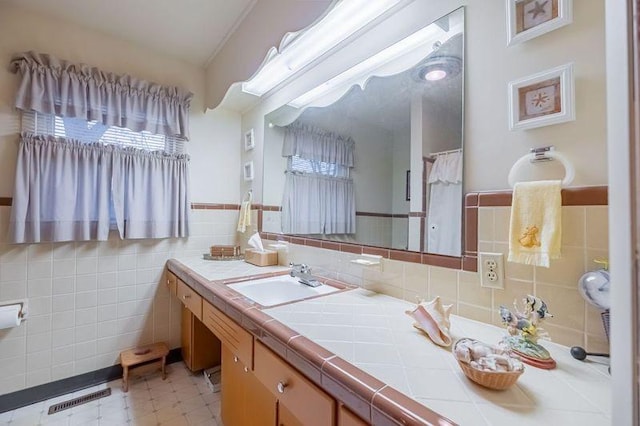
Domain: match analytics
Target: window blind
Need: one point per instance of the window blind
(91, 131)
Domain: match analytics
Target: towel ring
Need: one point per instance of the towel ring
(249, 196)
(543, 154)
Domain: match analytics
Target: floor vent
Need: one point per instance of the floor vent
(56, 408)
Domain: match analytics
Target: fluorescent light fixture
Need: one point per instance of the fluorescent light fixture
(347, 17)
(366, 68)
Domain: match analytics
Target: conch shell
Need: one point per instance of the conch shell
(433, 319)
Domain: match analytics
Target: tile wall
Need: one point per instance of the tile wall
(574, 322)
(89, 301)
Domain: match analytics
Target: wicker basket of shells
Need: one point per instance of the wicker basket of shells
(488, 366)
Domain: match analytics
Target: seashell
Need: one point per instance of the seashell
(433, 318)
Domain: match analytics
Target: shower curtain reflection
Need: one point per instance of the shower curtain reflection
(445, 209)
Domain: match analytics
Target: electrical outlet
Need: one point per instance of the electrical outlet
(491, 266)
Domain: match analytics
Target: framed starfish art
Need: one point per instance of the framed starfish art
(527, 19)
(542, 99)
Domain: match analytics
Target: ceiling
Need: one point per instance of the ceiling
(192, 30)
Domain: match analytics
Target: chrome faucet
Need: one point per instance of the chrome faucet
(303, 272)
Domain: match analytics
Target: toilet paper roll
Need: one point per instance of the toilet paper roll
(10, 316)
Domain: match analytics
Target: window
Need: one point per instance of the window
(316, 167)
(92, 131)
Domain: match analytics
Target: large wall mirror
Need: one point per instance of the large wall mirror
(374, 156)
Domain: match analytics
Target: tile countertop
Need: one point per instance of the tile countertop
(372, 332)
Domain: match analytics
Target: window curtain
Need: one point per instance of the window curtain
(164, 209)
(314, 203)
(64, 191)
(318, 145)
(53, 86)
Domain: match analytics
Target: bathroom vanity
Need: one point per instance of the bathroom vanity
(352, 358)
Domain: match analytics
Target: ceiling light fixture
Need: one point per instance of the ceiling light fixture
(416, 43)
(347, 17)
(438, 68)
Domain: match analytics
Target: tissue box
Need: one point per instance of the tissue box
(261, 258)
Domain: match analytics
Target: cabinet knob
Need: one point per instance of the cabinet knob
(281, 386)
(246, 369)
(186, 296)
(235, 359)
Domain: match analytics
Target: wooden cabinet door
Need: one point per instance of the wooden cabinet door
(232, 398)
(259, 403)
(285, 418)
(299, 396)
(245, 401)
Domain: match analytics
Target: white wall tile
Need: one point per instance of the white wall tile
(107, 312)
(86, 265)
(85, 350)
(87, 299)
(127, 262)
(126, 278)
(12, 290)
(64, 285)
(62, 355)
(126, 294)
(38, 377)
(38, 342)
(64, 268)
(107, 296)
(13, 272)
(38, 360)
(107, 264)
(61, 320)
(40, 305)
(86, 316)
(63, 302)
(108, 280)
(12, 347)
(86, 333)
(62, 251)
(40, 287)
(39, 270)
(62, 371)
(39, 324)
(62, 337)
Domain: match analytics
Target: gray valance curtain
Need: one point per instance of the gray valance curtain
(319, 145)
(54, 86)
(67, 190)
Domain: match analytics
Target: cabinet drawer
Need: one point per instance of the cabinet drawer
(171, 282)
(239, 341)
(304, 400)
(190, 299)
(347, 418)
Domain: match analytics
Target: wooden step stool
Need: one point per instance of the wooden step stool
(133, 357)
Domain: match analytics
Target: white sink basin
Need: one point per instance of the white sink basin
(276, 290)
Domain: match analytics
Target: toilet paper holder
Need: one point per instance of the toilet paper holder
(22, 313)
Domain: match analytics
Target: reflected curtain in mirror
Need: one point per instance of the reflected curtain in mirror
(318, 197)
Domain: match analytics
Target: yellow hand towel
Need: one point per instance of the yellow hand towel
(535, 230)
(244, 221)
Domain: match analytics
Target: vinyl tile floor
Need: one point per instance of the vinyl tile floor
(182, 399)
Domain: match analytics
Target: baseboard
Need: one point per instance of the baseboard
(29, 396)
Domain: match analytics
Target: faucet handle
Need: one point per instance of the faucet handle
(302, 267)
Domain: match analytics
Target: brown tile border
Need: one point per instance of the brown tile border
(417, 214)
(213, 206)
(392, 407)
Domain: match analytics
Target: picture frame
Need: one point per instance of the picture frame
(527, 19)
(542, 99)
(247, 171)
(249, 140)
